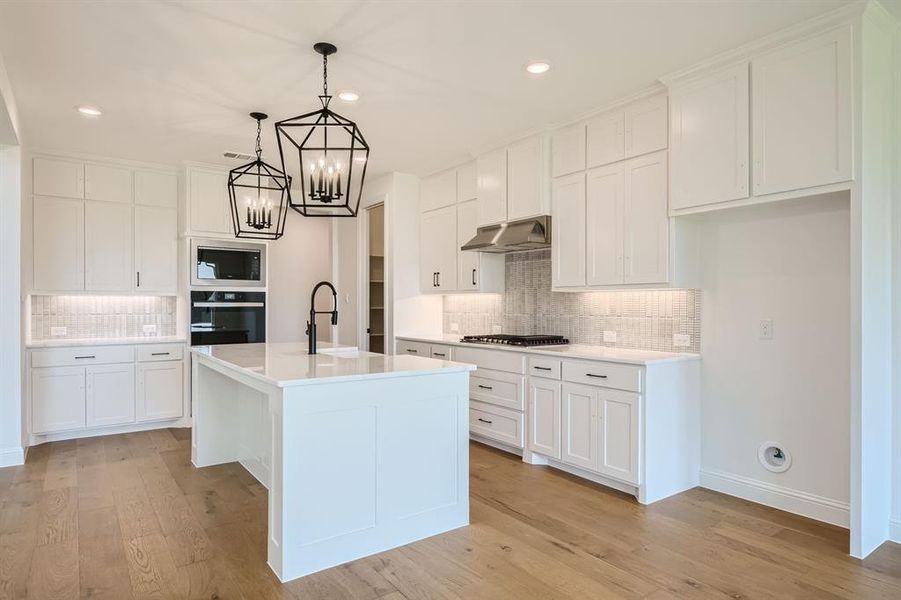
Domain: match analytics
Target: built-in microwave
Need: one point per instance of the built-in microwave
(227, 264)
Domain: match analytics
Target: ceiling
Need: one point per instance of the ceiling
(438, 80)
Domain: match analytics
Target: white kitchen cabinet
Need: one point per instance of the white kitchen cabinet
(618, 437)
(526, 195)
(160, 391)
(580, 426)
(58, 244)
(605, 141)
(568, 231)
(645, 126)
(709, 124)
(154, 188)
(438, 250)
(414, 348)
(58, 177)
(467, 182)
(110, 394)
(107, 183)
(156, 249)
(107, 246)
(605, 223)
(801, 114)
(544, 417)
(476, 271)
(646, 228)
(208, 203)
(57, 399)
(568, 150)
(438, 191)
(492, 187)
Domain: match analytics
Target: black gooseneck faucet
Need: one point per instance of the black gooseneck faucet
(311, 324)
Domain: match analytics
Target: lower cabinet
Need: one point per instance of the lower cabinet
(110, 395)
(544, 417)
(580, 426)
(496, 423)
(160, 388)
(57, 399)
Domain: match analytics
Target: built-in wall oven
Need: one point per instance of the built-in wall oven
(223, 263)
(233, 317)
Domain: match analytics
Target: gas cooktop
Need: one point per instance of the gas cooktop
(516, 340)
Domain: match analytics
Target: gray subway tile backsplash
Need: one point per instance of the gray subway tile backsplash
(642, 319)
(87, 317)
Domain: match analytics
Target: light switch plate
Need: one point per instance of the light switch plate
(58, 331)
(149, 328)
(766, 329)
(455, 328)
(610, 337)
(681, 340)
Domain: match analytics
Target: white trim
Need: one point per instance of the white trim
(820, 190)
(894, 530)
(37, 438)
(11, 457)
(801, 503)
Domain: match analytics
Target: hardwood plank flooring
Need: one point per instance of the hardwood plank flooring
(127, 516)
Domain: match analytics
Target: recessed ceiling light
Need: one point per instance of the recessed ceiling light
(537, 68)
(349, 96)
(89, 111)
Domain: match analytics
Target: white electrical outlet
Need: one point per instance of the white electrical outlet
(766, 329)
(455, 328)
(496, 329)
(681, 340)
(610, 337)
(58, 331)
(149, 328)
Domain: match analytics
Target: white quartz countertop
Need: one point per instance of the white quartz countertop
(583, 351)
(117, 341)
(289, 364)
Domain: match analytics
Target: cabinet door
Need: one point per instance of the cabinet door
(525, 180)
(110, 394)
(544, 417)
(801, 114)
(107, 183)
(467, 186)
(156, 249)
(208, 202)
(57, 399)
(606, 139)
(580, 430)
(58, 244)
(492, 187)
(568, 150)
(467, 262)
(645, 126)
(160, 391)
(646, 229)
(618, 435)
(156, 189)
(605, 225)
(107, 246)
(54, 177)
(568, 231)
(709, 139)
(438, 191)
(438, 250)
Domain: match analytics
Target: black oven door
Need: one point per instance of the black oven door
(227, 318)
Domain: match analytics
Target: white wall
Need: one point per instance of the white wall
(895, 525)
(10, 309)
(788, 262)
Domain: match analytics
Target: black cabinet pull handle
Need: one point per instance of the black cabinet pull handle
(593, 375)
(435, 279)
(473, 277)
(159, 354)
(485, 387)
(542, 368)
(139, 279)
(441, 354)
(485, 420)
(438, 274)
(412, 351)
(80, 357)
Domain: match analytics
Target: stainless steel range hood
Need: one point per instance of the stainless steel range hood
(527, 234)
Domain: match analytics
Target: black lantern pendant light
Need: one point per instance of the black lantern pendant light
(325, 155)
(259, 196)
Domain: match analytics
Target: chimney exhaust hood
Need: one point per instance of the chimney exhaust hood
(516, 236)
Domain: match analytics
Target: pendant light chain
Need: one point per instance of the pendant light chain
(325, 74)
(259, 146)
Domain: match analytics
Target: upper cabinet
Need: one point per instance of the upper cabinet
(645, 126)
(438, 190)
(58, 177)
(209, 211)
(467, 182)
(492, 187)
(568, 150)
(153, 188)
(568, 231)
(645, 220)
(526, 181)
(58, 244)
(108, 183)
(709, 139)
(438, 250)
(107, 246)
(605, 139)
(801, 114)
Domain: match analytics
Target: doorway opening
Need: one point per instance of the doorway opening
(375, 278)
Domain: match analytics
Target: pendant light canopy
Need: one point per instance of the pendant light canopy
(324, 155)
(259, 196)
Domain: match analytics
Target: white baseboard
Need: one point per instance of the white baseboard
(776, 496)
(36, 439)
(894, 529)
(11, 457)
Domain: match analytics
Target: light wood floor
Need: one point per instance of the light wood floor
(128, 516)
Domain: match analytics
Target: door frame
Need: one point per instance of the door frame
(363, 273)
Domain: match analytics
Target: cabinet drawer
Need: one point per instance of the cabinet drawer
(440, 351)
(85, 355)
(544, 367)
(497, 387)
(413, 348)
(621, 377)
(495, 360)
(155, 352)
(496, 423)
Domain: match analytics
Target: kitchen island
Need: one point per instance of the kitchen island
(360, 452)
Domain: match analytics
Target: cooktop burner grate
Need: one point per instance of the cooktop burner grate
(516, 340)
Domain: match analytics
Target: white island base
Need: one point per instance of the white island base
(360, 452)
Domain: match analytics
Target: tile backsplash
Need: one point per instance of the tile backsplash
(86, 317)
(642, 319)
